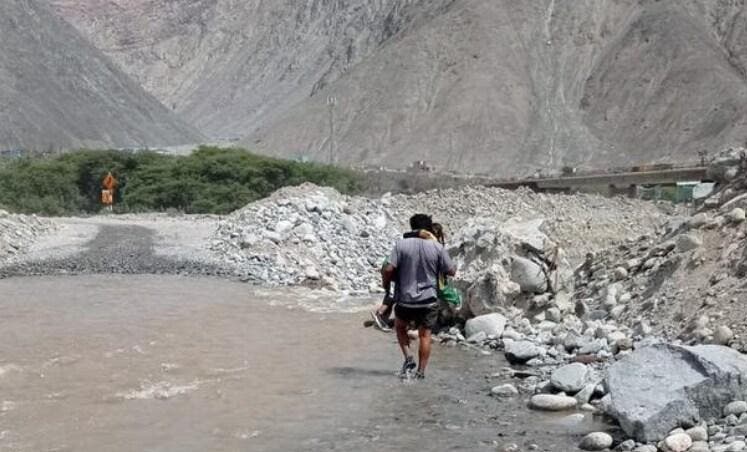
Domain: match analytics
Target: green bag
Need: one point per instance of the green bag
(450, 294)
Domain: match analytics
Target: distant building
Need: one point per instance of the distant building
(12, 152)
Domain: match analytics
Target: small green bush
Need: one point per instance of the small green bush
(210, 180)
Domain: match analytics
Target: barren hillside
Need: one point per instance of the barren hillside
(58, 91)
(475, 85)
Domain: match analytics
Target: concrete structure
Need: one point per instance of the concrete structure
(609, 183)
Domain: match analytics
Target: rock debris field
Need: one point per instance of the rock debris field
(628, 310)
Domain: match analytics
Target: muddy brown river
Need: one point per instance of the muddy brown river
(165, 363)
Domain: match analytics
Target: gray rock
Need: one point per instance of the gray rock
(620, 273)
(723, 335)
(584, 395)
(528, 275)
(698, 433)
(598, 314)
(520, 352)
(490, 324)
(480, 336)
(659, 387)
(736, 408)
(570, 378)
(554, 315)
(699, 446)
(592, 347)
(688, 242)
(645, 448)
(698, 220)
(505, 390)
(626, 446)
(550, 402)
(596, 441)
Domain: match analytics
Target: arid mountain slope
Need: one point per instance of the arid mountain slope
(493, 86)
(58, 91)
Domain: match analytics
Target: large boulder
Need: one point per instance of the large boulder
(490, 324)
(660, 387)
(528, 275)
(490, 292)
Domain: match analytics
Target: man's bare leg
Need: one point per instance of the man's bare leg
(424, 349)
(404, 340)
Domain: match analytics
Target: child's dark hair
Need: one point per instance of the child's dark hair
(438, 231)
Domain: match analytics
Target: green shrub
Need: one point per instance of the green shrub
(210, 180)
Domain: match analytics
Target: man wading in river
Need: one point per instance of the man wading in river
(414, 266)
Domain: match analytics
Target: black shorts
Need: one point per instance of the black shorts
(426, 317)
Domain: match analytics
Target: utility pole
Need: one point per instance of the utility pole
(331, 102)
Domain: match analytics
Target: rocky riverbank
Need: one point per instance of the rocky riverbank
(596, 303)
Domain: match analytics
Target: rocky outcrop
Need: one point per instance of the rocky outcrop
(661, 387)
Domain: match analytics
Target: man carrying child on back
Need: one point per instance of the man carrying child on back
(414, 266)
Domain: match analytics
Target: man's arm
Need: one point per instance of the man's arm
(387, 272)
(387, 275)
(448, 268)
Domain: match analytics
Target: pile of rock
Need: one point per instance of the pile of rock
(316, 236)
(681, 283)
(309, 235)
(17, 232)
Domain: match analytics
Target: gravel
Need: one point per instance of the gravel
(124, 249)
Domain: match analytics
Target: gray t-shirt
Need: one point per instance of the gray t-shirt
(418, 262)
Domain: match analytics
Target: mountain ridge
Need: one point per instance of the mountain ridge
(57, 91)
(498, 87)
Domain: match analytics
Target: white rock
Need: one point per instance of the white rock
(283, 226)
(528, 275)
(380, 222)
(490, 324)
(596, 441)
(551, 402)
(737, 215)
(312, 273)
(505, 390)
(679, 442)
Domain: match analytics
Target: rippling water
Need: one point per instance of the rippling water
(141, 363)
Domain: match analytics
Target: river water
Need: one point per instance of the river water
(164, 363)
